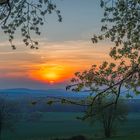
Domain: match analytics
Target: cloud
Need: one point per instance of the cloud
(70, 56)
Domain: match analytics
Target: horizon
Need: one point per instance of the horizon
(66, 91)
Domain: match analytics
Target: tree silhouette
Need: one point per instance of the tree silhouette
(121, 26)
(108, 117)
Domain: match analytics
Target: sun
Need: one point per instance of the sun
(51, 76)
(47, 75)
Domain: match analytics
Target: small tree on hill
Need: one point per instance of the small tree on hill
(108, 117)
(9, 115)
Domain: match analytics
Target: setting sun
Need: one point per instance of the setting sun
(51, 73)
(51, 76)
(47, 75)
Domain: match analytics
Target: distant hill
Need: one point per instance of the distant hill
(24, 98)
(20, 92)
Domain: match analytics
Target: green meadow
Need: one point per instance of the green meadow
(64, 125)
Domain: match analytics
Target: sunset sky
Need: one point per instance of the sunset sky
(64, 48)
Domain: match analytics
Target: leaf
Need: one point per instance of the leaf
(63, 101)
(34, 102)
(102, 3)
(50, 102)
(137, 92)
(129, 95)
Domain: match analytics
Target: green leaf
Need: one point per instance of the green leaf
(63, 101)
(50, 102)
(34, 102)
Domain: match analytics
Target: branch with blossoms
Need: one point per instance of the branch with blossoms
(106, 81)
(26, 15)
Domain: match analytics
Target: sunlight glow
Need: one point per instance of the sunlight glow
(51, 73)
(51, 76)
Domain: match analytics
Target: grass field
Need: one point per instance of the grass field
(59, 125)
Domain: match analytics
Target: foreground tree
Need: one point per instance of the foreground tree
(121, 26)
(108, 117)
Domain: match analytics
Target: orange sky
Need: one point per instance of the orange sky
(54, 62)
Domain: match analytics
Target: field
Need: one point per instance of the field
(64, 124)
